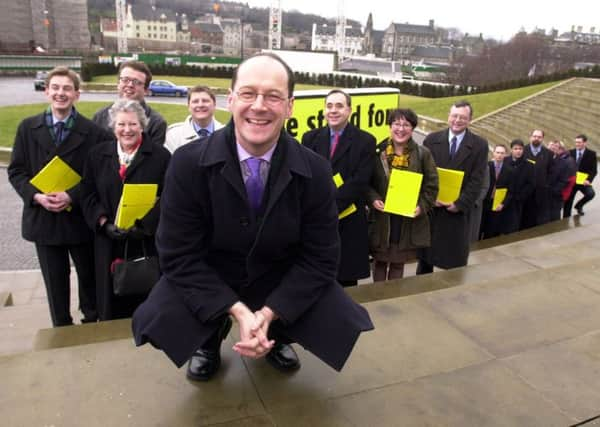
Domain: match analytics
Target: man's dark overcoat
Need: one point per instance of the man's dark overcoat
(353, 159)
(33, 149)
(214, 251)
(102, 187)
(494, 223)
(450, 232)
(536, 209)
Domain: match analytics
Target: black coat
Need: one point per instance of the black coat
(588, 163)
(214, 252)
(523, 185)
(33, 149)
(493, 222)
(101, 191)
(536, 210)
(354, 159)
(450, 232)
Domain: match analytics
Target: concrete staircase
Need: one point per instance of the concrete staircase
(562, 111)
(511, 339)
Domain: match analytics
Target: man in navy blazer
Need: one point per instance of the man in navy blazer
(587, 162)
(268, 261)
(459, 149)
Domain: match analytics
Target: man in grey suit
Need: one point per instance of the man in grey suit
(459, 149)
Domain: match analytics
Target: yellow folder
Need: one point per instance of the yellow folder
(450, 184)
(337, 179)
(499, 196)
(403, 193)
(136, 201)
(56, 176)
(581, 176)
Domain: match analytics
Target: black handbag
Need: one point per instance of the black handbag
(135, 276)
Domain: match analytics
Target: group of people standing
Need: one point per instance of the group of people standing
(541, 183)
(250, 224)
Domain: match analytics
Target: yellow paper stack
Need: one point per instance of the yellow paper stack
(136, 201)
(403, 192)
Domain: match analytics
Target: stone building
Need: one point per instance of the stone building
(399, 40)
(54, 25)
(324, 38)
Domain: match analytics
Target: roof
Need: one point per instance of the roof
(432, 51)
(206, 28)
(329, 30)
(109, 25)
(413, 29)
(147, 13)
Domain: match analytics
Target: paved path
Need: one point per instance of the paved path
(17, 254)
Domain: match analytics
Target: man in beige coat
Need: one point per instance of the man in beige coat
(199, 124)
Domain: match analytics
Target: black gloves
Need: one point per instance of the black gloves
(136, 232)
(114, 232)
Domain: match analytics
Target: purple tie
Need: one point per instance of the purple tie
(254, 184)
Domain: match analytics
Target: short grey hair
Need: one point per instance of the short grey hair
(127, 106)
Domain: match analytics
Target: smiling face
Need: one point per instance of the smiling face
(259, 122)
(401, 131)
(132, 84)
(202, 108)
(337, 111)
(459, 119)
(61, 94)
(127, 129)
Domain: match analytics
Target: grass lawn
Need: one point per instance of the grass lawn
(10, 117)
(193, 81)
(433, 107)
(482, 103)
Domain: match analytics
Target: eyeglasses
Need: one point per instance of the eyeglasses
(127, 80)
(401, 125)
(271, 99)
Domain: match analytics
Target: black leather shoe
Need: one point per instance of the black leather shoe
(283, 357)
(204, 363)
(580, 211)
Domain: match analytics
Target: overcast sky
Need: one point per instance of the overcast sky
(499, 19)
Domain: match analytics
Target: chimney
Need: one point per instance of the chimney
(431, 23)
(579, 29)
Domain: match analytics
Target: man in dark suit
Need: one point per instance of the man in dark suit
(500, 177)
(536, 210)
(351, 152)
(134, 79)
(587, 162)
(460, 149)
(248, 228)
(523, 185)
(54, 221)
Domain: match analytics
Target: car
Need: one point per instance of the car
(40, 80)
(165, 87)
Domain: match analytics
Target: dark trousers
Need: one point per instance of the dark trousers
(56, 270)
(588, 194)
(423, 267)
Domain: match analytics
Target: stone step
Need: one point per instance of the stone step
(502, 352)
(19, 325)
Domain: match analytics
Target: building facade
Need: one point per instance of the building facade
(399, 40)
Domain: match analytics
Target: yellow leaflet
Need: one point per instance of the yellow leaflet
(499, 196)
(136, 201)
(56, 176)
(403, 193)
(581, 176)
(450, 184)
